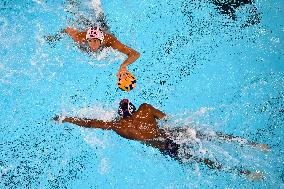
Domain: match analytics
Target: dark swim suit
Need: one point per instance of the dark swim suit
(171, 148)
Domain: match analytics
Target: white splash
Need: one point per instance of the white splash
(39, 58)
(96, 112)
(275, 40)
(188, 135)
(4, 25)
(97, 6)
(2, 66)
(104, 166)
(93, 140)
(203, 110)
(41, 3)
(3, 81)
(108, 54)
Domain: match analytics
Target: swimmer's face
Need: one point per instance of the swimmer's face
(94, 44)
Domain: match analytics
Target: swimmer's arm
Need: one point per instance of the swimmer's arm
(90, 123)
(76, 35)
(131, 53)
(157, 113)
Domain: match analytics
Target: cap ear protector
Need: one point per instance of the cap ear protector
(131, 108)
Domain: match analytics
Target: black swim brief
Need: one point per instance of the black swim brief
(171, 148)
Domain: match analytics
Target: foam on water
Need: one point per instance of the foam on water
(97, 6)
(95, 112)
(109, 54)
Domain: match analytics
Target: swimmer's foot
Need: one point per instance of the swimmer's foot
(257, 176)
(262, 147)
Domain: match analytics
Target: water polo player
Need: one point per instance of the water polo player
(141, 125)
(97, 37)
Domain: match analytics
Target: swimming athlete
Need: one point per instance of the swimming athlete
(141, 125)
(96, 37)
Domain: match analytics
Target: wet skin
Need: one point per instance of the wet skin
(109, 41)
(142, 126)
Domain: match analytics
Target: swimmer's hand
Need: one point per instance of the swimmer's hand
(58, 118)
(122, 70)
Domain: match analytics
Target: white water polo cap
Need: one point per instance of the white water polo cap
(95, 33)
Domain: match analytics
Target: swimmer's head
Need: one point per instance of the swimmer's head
(94, 44)
(126, 108)
(95, 37)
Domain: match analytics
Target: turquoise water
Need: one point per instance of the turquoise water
(206, 66)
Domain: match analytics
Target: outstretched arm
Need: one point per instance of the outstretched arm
(131, 53)
(89, 123)
(76, 35)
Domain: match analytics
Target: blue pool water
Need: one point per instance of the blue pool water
(212, 65)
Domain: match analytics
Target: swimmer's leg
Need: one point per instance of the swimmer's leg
(75, 34)
(209, 163)
(231, 138)
(85, 21)
(100, 17)
(242, 141)
(250, 175)
(242, 172)
(99, 21)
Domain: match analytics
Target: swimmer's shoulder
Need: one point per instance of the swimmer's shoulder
(110, 39)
